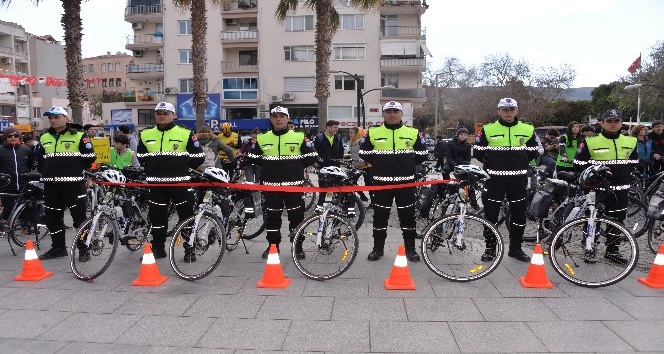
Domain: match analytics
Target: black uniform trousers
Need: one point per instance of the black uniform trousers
(382, 202)
(514, 189)
(57, 197)
(274, 203)
(159, 198)
(615, 207)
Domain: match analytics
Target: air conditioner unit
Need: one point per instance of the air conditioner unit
(137, 25)
(263, 107)
(231, 22)
(288, 96)
(6, 60)
(276, 98)
(171, 90)
(138, 53)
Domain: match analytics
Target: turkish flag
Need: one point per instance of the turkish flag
(635, 65)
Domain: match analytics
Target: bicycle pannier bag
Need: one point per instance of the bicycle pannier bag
(656, 205)
(425, 200)
(539, 206)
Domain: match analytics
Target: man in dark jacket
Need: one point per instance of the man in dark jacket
(329, 147)
(15, 159)
(657, 138)
(439, 152)
(458, 152)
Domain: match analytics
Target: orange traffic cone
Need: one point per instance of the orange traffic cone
(400, 276)
(32, 267)
(536, 274)
(273, 277)
(149, 274)
(655, 278)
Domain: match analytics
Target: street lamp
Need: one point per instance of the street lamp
(638, 99)
(357, 88)
(364, 111)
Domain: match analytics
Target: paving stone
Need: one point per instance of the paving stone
(424, 289)
(166, 331)
(34, 299)
(642, 335)
(157, 304)
(337, 287)
(170, 286)
(107, 282)
(513, 289)
(508, 337)
(30, 346)
(28, 324)
(213, 285)
(90, 327)
(245, 334)
(474, 289)
(435, 309)
(514, 309)
(608, 292)
(641, 308)
(342, 336)
(295, 288)
(412, 337)
(57, 279)
(227, 306)
(99, 348)
(180, 350)
(93, 301)
(584, 308)
(303, 308)
(578, 336)
(368, 309)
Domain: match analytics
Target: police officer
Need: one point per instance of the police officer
(619, 153)
(167, 151)
(393, 150)
(232, 140)
(282, 154)
(505, 147)
(66, 153)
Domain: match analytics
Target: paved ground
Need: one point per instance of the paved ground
(226, 313)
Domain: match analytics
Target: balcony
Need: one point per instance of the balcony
(235, 67)
(144, 13)
(403, 64)
(239, 6)
(239, 39)
(148, 41)
(402, 7)
(403, 31)
(145, 71)
(133, 98)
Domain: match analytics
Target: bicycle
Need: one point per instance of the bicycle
(118, 220)
(26, 220)
(329, 241)
(199, 241)
(453, 245)
(575, 247)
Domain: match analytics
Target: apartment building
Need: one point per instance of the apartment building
(108, 74)
(14, 59)
(255, 63)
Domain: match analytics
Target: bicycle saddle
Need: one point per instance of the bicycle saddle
(568, 177)
(463, 171)
(31, 176)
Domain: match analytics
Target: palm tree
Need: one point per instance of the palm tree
(73, 27)
(198, 52)
(327, 22)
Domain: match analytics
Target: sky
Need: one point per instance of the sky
(599, 39)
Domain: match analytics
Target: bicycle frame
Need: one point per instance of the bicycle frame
(321, 218)
(105, 208)
(209, 207)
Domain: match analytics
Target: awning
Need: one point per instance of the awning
(398, 48)
(425, 49)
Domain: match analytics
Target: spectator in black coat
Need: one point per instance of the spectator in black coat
(458, 152)
(439, 152)
(657, 138)
(15, 159)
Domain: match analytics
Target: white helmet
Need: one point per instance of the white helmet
(113, 176)
(334, 171)
(470, 169)
(590, 177)
(216, 174)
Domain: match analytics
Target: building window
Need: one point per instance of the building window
(299, 84)
(249, 57)
(103, 67)
(389, 79)
(118, 82)
(340, 112)
(241, 113)
(347, 83)
(146, 117)
(111, 82)
(184, 28)
(186, 85)
(91, 84)
(351, 22)
(299, 23)
(185, 56)
(118, 67)
(103, 83)
(344, 52)
(240, 88)
(91, 68)
(300, 53)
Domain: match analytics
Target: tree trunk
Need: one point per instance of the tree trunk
(73, 28)
(323, 42)
(199, 58)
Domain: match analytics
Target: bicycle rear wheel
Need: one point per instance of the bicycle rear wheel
(196, 261)
(90, 262)
(139, 228)
(636, 220)
(27, 223)
(336, 253)
(592, 269)
(454, 251)
(655, 235)
(310, 198)
(253, 226)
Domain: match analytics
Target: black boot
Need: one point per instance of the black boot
(411, 254)
(516, 252)
(377, 251)
(267, 251)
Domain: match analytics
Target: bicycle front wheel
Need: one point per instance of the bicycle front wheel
(335, 253)
(139, 228)
(91, 261)
(594, 265)
(234, 225)
(453, 248)
(197, 246)
(27, 223)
